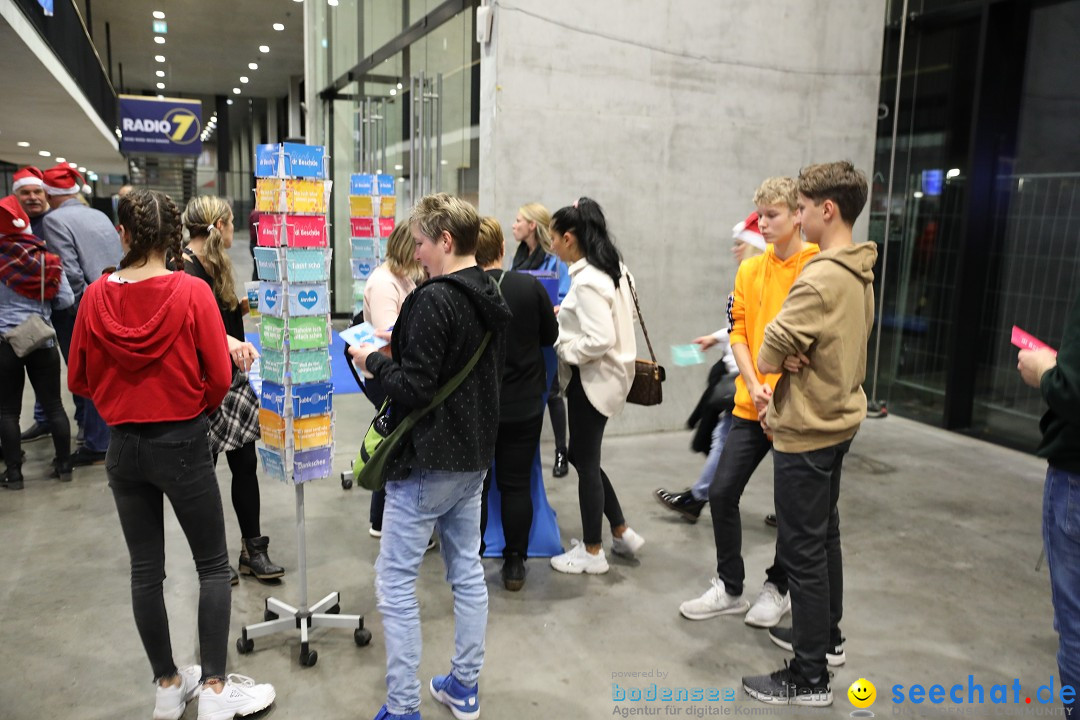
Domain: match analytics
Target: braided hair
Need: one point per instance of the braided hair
(152, 221)
(201, 217)
(586, 221)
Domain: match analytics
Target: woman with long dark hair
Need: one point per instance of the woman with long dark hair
(596, 349)
(149, 349)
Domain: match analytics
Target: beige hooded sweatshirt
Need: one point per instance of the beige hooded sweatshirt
(827, 316)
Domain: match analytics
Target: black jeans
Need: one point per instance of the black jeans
(807, 486)
(745, 448)
(557, 410)
(144, 463)
(595, 493)
(246, 501)
(515, 449)
(43, 368)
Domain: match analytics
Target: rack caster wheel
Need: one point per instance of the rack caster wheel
(308, 659)
(244, 646)
(346, 481)
(269, 615)
(362, 636)
(334, 609)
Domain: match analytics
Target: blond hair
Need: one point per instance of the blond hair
(401, 255)
(778, 191)
(441, 212)
(836, 181)
(539, 215)
(490, 245)
(200, 220)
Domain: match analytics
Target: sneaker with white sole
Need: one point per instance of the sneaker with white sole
(783, 636)
(462, 701)
(578, 560)
(240, 696)
(715, 601)
(769, 607)
(786, 687)
(172, 701)
(628, 544)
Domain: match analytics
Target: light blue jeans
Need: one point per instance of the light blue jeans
(425, 500)
(700, 491)
(1061, 538)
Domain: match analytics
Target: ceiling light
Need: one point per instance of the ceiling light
(160, 73)
(44, 153)
(399, 167)
(917, 194)
(61, 160)
(393, 91)
(236, 91)
(71, 164)
(159, 39)
(82, 169)
(161, 86)
(228, 101)
(243, 78)
(253, 66)
(160, 96)
(399, 86)
(23, 143)
(445, 162)
(159, 15)
(159, 58)
(279, 27)
(264, 48)
(332, 3)
(955, 172)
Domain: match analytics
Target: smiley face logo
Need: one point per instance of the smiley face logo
(862, 693)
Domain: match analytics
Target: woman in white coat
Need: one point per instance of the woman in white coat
(596, 349)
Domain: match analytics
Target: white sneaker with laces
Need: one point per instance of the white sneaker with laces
(715, 601)
(578, 560)
(628, 544)
(240, 696)
(172, 701)
(769, 607)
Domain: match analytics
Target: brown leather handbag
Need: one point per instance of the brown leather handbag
(648, 374)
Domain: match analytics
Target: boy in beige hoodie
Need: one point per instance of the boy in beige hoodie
(819, 340)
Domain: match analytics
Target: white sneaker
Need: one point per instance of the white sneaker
(628, 544)
(171, 701)
(579, 560)
(240, 696)
(769, 607)
(715, 601)
(373, 532)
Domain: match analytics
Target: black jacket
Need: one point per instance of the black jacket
(441, 325)
(1060, 387)
(533, 325)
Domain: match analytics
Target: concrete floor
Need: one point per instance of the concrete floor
(940, 533)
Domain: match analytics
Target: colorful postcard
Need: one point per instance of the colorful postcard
(314, 399)
(307, 265)
(362, 184)
(308, 333)
(267, 263)
(312, 432)
(311, 299)
(362, 334)
(386, 185)
(360, 206)
(309, 366)
(272, 428)
(362, 267)
(268, 196)
(362, 227)
(313, 464)
(271, 298)
(274, 464)
(307, 161)
(272, 333)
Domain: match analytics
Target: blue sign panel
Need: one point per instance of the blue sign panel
(160, 125)
(362, 184)
(386, 184)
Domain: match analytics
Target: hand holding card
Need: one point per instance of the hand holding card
(362, 334)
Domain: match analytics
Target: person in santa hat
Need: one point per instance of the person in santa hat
(31, 282)
(87, 243)
(29, 188)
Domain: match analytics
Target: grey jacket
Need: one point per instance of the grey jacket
(86, 241)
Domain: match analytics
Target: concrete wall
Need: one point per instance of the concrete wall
(669, 115)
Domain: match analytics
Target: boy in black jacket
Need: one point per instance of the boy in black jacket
(437, 478)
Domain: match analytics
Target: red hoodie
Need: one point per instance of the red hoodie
(149, 351)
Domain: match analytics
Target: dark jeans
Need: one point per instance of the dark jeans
(246, 501)
(557, 410)
(746, 446)
(595, 493)
(144, 463)
(515, 448)
(43, 368)
(806, 487)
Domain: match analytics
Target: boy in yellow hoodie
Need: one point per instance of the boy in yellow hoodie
(761, 285)
(819, 338)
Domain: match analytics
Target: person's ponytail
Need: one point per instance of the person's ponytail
(585, 220)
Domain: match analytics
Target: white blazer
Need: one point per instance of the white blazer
(596, 333)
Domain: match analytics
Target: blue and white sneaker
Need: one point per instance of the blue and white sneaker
(461, 700)
(385, 714)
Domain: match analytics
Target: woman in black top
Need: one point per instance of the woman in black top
(521, 399)
(209, 223)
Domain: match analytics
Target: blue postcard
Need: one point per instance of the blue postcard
(268, 160)
(361, 334)
(363, 247)
(267, 263)
(362, 267)
(304, 161)
(362, 184)
(273, 398)
(314, 399)
(386, 185)
(309, 299)
(274, 464)
(306, 265)
(313, 464)
(271, 299)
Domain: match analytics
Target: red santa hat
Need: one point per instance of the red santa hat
(13, 219)
(62, 180)
(29, 175)
(748, 232)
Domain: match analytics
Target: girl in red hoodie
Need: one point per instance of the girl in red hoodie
(149, 347)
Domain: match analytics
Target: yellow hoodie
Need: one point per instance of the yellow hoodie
(761, 285)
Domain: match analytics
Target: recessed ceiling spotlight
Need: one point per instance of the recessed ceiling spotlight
(253, 66)
(82, 169)
(236, 91)
(393, 91)
(159, 39)
(161, 86)
(159, 58)
(243, 78)
(160, 73)
(61, 160)
(44, 153)
(332, 3)
(160, 96)
(279, 27)
(264, 49)
(159, 15)
(72, 164)
(228, 101)
(23, 143)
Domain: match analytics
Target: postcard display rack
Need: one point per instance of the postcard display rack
(296, 416)
(372, 208)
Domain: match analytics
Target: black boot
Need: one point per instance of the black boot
(61, 470)
(513, 572)
(683, 503)
(12, 479)
(234, 579)
(255, 561)
(561, 468)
